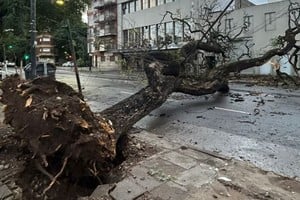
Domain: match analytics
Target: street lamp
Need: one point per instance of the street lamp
(33, 38)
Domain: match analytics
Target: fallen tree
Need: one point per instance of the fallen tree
(66, 138)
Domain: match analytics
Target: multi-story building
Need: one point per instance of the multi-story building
(143, 25)
(45, 48)
(102, 33)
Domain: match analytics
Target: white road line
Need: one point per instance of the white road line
(124, 92)
(231, 110)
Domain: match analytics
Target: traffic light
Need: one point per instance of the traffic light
(26, 57)
(10, 46)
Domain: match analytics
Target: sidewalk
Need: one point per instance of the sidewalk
(182, 173)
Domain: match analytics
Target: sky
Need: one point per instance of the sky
(258, 1)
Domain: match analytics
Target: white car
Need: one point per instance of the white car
(68, 64)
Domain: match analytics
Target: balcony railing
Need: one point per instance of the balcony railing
(98, 4)
(99, 18)
(101, 3)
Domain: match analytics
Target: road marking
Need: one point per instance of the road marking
(124, 92)
(231, 110)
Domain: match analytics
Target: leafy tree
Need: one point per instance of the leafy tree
(15, 15)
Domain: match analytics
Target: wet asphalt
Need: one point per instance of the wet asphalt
(256, 124)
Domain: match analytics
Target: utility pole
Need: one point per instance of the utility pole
(33, 38)
(74, 57)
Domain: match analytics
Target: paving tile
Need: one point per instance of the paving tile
(5, 192)
(196, 176)
(169, 191)
(102, 191)
(127, 189)
(194, 154)
(155, 140)
(160, 168)
(181, 160)
(142, 177)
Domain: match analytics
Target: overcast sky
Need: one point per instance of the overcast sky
(259, 1)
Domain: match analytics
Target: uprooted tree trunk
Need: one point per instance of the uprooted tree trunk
(66, 137)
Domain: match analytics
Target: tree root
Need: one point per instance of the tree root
(57, 175)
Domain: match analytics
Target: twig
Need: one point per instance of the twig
(57, 175)
(41, 169)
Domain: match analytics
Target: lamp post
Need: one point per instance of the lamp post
(33, 38)
(61, 3)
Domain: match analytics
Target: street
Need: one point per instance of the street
(256, 124)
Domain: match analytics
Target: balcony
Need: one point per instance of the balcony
(104, 3)
(110, 17)
(110, 31)
(98, 18)
(98, 4)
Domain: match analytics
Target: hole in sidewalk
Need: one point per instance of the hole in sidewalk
(71, 184)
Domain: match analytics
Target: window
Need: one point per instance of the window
(153, 35)
(46, 39)
(169, 32)
(138, 5)
(160, 2)
(125, 36)
(145, 36)
(46, 50)
(131, 37)
(125, 8)
(248, 22)
(112, 58)
(145, 4)
(161, 32)
(132, 6)
(137, 36)
(102, 58)
(152, 3)
(270, 24)
(228, 25)
(178, 32)
(186, 33)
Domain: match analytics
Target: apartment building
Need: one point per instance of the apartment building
(142, 25)
(102, 33)
(45, 48)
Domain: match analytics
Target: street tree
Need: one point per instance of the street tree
(15, 15)
(65, 137)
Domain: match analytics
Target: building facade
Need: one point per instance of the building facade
(102, 34)
(45, 48)
(143, 25)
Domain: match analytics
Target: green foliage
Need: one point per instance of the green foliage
(15, 14)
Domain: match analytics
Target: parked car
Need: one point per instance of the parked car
(68, 64)
(42, 69)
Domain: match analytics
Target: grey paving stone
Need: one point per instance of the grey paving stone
(181, 160)
(194, 154)
(155, 140)
(197, 176)
(127, 189)
(168, 191)
(5, 192)
(102, 191)
(142, 177)
(159, 167)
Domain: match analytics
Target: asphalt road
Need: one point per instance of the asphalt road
(256, 124)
